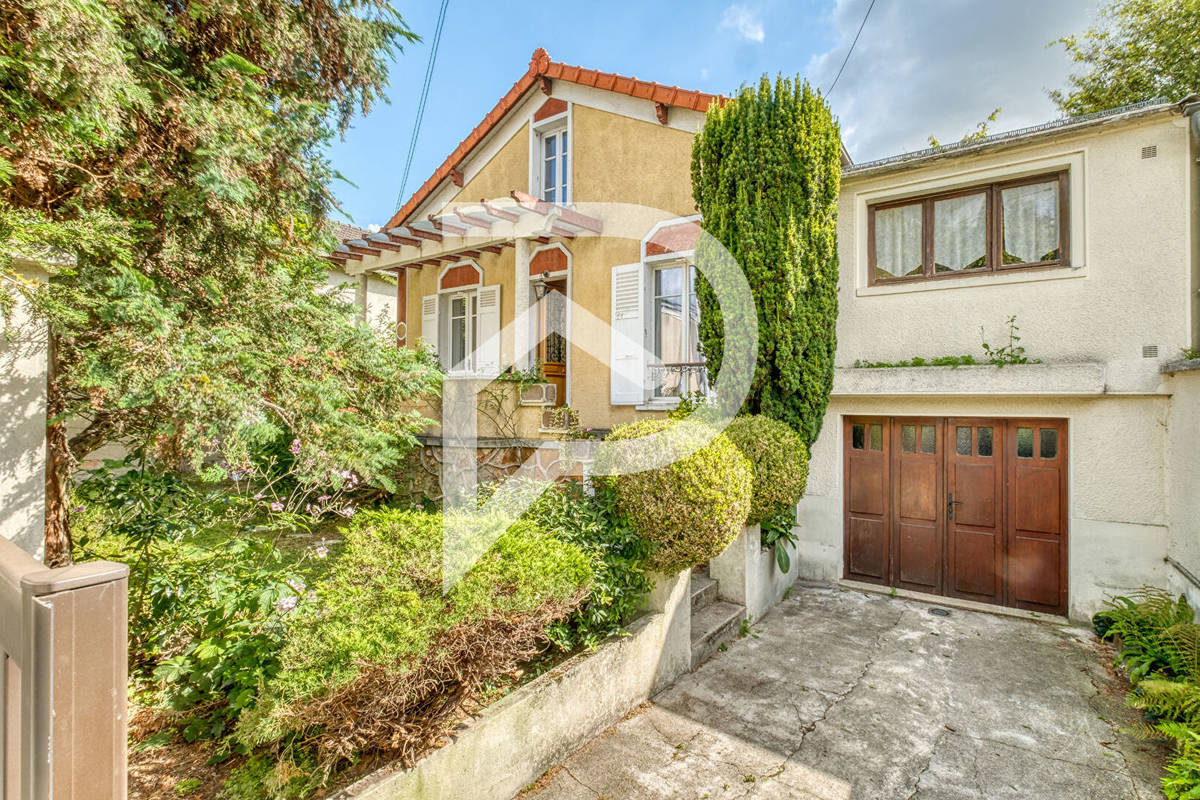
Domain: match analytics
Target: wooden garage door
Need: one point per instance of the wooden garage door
(970, 508)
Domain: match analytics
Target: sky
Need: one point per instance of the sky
(920, 68)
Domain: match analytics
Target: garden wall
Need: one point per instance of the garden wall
(23, 423)
(747, 574)
(515, 740)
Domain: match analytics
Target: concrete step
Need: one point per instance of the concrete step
(704, 591)
(712, 626)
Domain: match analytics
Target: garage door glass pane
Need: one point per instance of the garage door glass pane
(1049, 443)
(898, 242)
(962, 441)
(876, 437)
(908, 438)
(1024, 442)
(960, 233)
(1030, 223)
(858, 436)
(984, 442)
(928, 439)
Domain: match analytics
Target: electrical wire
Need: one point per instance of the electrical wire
(851, 50)
(412, 145)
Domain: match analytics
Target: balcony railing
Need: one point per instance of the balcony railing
(678, 379)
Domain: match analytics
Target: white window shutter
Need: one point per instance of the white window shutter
(628, 363)
(487, 356)
(429, 321)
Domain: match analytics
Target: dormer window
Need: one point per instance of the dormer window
(555, 172)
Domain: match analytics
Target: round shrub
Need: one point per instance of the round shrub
(690, 509)
(779, 460)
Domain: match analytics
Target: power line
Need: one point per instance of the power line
(851, 50)
(412, 145)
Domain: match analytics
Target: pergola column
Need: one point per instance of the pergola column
(521, 292)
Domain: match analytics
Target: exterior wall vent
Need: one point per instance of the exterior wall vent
(1149, 351)
(1150, 151)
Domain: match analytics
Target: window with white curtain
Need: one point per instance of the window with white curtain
(999, 226)
(678, 369)
(463, 316)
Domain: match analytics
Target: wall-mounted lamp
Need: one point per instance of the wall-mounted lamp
(539, 286)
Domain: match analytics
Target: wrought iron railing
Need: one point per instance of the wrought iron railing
(679, 379)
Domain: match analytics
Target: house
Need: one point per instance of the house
(1043, 486)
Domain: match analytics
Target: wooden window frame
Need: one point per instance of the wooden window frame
(994, 225)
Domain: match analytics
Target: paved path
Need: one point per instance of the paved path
(839, 695)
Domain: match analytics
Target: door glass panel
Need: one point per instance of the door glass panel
(1049, 442)
(962, 441)
(858, 436)
(960, 234)
(876, 437)
(908, 438)
(1024, 442)
(983, 442)
(899, 248)
(928, 439)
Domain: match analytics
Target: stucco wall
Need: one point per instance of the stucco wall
(1117, 519)
(1131, 270)
(1183, 484)
(381, 296)
(23, 424)
(614, 158)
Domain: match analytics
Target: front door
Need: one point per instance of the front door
(552, 347)
(969, 508)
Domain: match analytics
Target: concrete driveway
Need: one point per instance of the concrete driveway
(839, 694)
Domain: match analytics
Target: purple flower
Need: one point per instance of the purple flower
(259, 496)
(296, 585)
(347, 512)
(322, 551)
(286, 604)
(77, 508)
(322, 498)
(277, 506)
(295, 447)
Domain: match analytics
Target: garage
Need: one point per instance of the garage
(961, 507)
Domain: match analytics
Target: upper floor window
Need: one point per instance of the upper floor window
(984, 229)
(554, 176)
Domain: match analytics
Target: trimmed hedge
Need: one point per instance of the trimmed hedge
(779, 461)
(690, 509)
(384, 660)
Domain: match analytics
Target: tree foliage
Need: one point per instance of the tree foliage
(171, 157)
(1138, 50)
(765, 173)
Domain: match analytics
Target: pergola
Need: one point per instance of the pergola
(464, 231)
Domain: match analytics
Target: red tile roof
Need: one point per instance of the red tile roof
(540, 66)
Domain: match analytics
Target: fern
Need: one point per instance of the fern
(1173, 701)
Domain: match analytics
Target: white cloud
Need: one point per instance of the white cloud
(744, 21)
(939, 67)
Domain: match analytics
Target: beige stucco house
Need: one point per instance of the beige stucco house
(1044, 486)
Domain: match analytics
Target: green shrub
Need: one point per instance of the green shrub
(692, 508)
(778, 461)
(384, 660)
(594, 523)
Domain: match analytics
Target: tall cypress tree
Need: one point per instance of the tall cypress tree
(765, 173)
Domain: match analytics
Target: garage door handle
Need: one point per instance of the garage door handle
(950, 504)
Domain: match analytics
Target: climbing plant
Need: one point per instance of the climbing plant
(765, 173)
